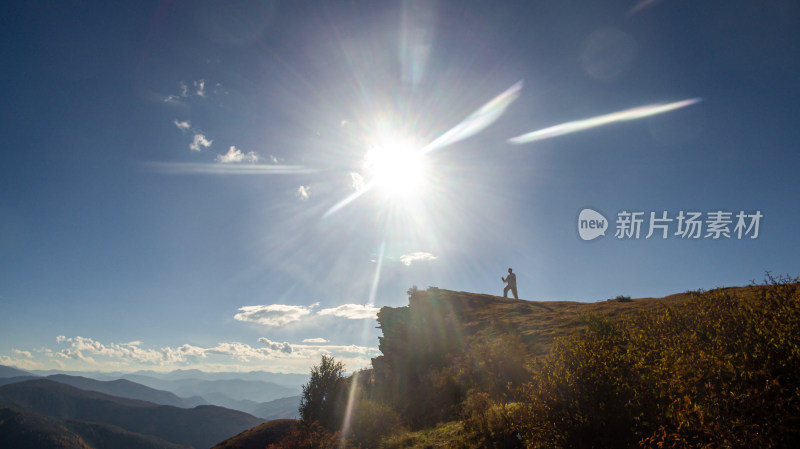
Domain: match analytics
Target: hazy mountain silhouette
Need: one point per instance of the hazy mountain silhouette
(278, 409)
(199, 427)
(13, 380)
(124, 389)
(21, 429)
(9, 371)
(220, 390)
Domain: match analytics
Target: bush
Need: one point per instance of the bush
(486, 423)
(721, 370)
(371, 421)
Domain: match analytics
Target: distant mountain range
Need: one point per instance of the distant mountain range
(262, 399)
(286, 380)
(21, 429)
(199, 427)
(9, 371)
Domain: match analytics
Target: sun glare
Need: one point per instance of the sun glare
(396, 166)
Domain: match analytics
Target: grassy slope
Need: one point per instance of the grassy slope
(540, 323)
(260, 436)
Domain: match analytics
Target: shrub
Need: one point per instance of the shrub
(371, 421)
(722, 370)
(486, 423)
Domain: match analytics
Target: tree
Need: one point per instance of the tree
(321, 395)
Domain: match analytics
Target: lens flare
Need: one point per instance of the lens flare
(473, 124)
(478, 120)
(600, 120)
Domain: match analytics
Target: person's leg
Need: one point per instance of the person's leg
(514, 291)
(505, 291)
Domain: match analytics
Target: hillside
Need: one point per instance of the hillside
(199, 427)
(20, 429)
(438, 317)
(260, 436)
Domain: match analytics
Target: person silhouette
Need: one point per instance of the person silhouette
(511, 284)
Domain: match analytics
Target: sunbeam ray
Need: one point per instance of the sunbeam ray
(352, 197)
(600, 120)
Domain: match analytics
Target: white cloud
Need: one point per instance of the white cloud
(316, 340)
(284, 347)
(84, 349)
(200, 88)
(408, 259)
(198, 141)
(274, 159)
(352, 311)
(81, 353)
(272, 315)
(25, 354)
(356, 181)
(197, 89)
(183, 126)
(24, 364)
(236, 155)
(303, 192)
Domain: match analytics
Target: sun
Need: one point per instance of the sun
(396, 166)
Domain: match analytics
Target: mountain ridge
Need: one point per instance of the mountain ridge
(202, 426)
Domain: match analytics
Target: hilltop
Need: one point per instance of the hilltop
(538, 323)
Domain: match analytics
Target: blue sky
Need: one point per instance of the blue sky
(130, 239)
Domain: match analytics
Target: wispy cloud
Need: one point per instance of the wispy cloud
(187, 90)
(272, 315)
(356, 181)
(182, 125)
(200, 88)
(303, 192)
(408, 259)
(352, 311)
(235, 155)
(25, 354)
(199, 140)
(315, 340)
